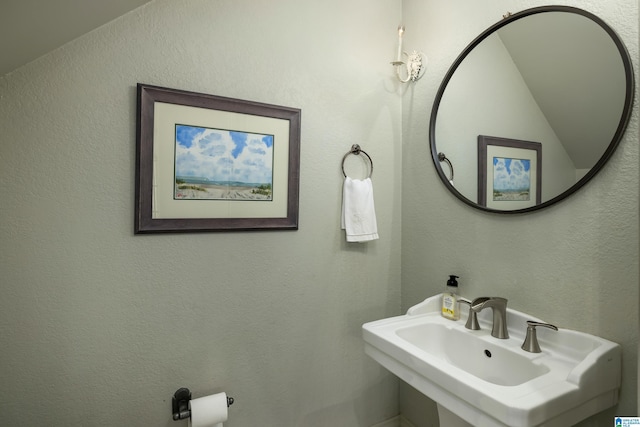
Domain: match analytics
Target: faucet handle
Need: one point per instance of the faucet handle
(472, 319)
(530, 343)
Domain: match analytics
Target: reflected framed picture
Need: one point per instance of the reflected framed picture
(509, 173)
(210, 163)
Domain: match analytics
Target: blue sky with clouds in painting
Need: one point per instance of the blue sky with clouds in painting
(221, 155)
(511, 174)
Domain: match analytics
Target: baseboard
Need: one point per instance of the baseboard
(398, 421)
(393, 422)
(405, 422)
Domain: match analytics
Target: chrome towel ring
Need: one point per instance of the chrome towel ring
(356, 150)
(443, 158)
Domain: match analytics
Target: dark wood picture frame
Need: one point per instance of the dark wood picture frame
(150, 140)
(513, 148)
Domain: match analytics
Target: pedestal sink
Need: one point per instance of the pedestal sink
(490, 382)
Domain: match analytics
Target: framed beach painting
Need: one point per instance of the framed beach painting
(209, 163)
(509, 173)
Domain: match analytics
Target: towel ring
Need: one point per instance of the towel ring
(443, 158)
(356, 150)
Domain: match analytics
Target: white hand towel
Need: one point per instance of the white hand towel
(358, 211)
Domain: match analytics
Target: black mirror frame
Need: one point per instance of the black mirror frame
(617, 137)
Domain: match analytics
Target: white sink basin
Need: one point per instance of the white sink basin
(481, 358)
(493, 382)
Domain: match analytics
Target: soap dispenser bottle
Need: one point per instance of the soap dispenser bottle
(450, 304)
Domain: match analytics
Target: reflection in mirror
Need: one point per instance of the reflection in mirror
(557, 76)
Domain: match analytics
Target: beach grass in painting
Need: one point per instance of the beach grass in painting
(217, 164)
(511, 179)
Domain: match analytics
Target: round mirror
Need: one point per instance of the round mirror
(531, 109)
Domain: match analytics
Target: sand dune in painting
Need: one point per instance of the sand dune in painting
(220, 192)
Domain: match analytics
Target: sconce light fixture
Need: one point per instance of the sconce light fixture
(415, 65)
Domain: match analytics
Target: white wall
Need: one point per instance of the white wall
(574, 264)
(100, 327)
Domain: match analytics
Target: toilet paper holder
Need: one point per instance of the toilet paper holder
(180, 404)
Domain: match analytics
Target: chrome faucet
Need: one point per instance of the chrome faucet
(499, 307)
(530, 343)
(472, 319)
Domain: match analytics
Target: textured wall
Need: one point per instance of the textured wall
(574, 265)
(100, 327)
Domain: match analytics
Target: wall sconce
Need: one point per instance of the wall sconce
(416, 62)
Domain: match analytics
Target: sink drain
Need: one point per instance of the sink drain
(487, 353)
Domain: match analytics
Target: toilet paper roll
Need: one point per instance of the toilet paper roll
(208, 411)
